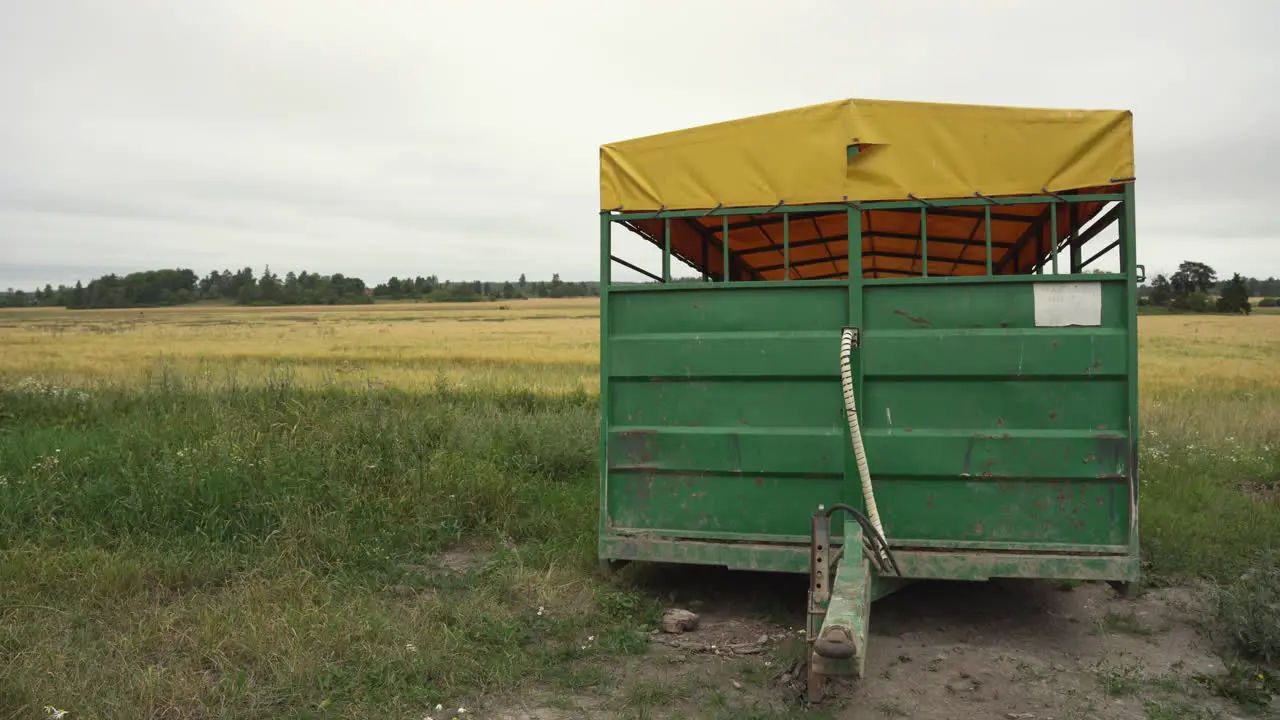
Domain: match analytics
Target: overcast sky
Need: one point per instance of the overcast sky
(461, 138)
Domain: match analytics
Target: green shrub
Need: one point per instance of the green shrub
(1249, 610)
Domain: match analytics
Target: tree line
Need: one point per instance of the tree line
(180, 286)
(1195, 287)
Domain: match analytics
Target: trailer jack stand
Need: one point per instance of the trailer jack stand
(839, 607)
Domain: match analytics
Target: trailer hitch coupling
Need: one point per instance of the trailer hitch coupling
(840, 596)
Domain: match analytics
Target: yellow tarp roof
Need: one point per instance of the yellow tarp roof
(928, 150)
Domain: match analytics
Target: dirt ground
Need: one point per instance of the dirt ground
(1020, 650)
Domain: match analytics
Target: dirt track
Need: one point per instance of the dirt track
(1002, 649)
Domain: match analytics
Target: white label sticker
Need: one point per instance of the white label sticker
(1062, 304)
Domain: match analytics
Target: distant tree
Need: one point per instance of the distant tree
(1235, 296)
(1192, 277)
(1161, 291)
(1191, 302)
(269, 286)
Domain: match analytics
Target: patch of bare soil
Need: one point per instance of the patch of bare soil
(1020, 650)
(1031, 650)
(464, 558)
(1260, 491)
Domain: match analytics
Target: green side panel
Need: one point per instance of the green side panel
(993, 353)
(704, 505)
(998, 433)
(724, 416)
(1026, 512)
(767, 354)
(1039, 404)
(741, 308)
(971, 306)
(701, 403)
(745, 450)
(985, 426)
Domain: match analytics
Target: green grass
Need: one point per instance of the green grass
(276, 551)
(1205, 510)
(273, 552)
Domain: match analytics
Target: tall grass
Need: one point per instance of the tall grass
(274, 551)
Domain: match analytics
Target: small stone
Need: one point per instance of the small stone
(737, 685)
(960, 686)
(1020, 716)
(763, 639)
(676, 621)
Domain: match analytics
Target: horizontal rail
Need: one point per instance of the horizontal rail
(876, 254)
(940, 564)
(776, 219)
(1100, 253)
(984, 279)
(875, 205)
(698, 285)
(636, 268)
(872, 235)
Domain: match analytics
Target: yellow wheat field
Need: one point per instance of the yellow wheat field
(535, 344)
(1199, 375)
(1211, 379)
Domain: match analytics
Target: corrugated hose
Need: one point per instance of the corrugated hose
(881, 546)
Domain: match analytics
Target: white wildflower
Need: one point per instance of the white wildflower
(439, 707)
(55, 713)
(411, 647)
(540, 611)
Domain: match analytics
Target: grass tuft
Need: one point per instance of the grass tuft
(1249, 610)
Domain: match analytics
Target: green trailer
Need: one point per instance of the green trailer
(961, 406)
